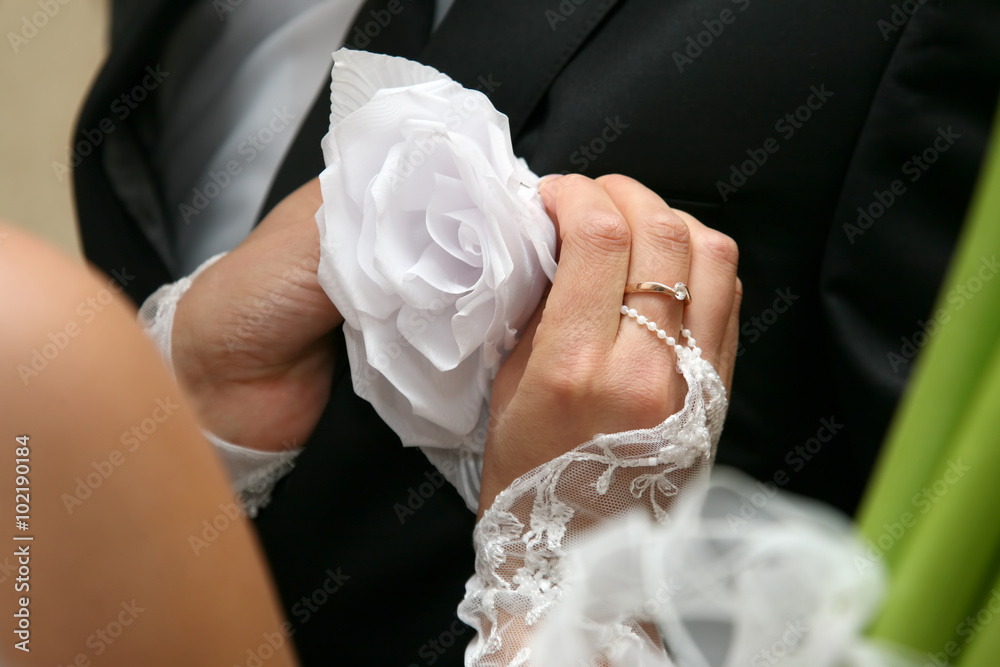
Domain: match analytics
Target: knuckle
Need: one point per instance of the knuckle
(576, 380)
(574, 182)
(668, 231)
(646, 404)
(722, 248)
(561, 387)
(604, 232)
(615, 181)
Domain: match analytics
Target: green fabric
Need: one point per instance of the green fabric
(981, 634)
(932, 509)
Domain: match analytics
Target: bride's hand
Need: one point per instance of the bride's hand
(251, 337)
(582, 368)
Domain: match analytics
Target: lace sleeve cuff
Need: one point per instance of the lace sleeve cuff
(253, 473)
(156, 315)
(522, 540)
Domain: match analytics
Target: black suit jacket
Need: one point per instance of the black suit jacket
(838, 143)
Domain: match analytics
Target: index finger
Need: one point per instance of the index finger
(586, 294)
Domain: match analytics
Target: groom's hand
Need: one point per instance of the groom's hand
(252, 341)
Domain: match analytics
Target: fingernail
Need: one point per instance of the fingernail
(545, 189)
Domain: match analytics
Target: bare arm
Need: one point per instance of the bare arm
(121, 480)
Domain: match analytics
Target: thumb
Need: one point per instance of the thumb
(509, 376)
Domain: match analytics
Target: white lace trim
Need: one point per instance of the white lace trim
(252, 473)
(522, 540)
(156, 315)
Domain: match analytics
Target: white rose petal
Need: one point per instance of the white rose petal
(435, 248)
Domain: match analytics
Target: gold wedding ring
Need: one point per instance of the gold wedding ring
(679, 291)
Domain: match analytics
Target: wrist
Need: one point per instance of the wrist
(191, 371)
(247, 404)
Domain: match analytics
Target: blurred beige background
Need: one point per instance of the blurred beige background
(43, 84)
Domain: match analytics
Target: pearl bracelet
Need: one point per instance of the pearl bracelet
(642, 321)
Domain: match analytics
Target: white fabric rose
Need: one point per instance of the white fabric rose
(435, 247)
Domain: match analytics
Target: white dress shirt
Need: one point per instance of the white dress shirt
(242, 82)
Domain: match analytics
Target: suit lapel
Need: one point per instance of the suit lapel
(509, 50)
(110, 229)
(137, 47)
(512, 50)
